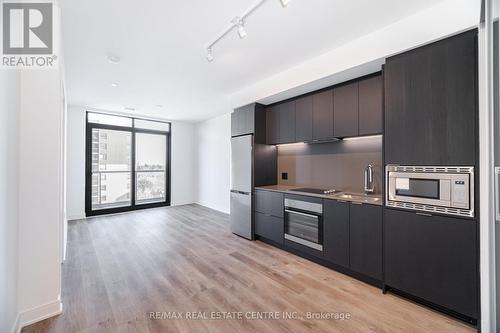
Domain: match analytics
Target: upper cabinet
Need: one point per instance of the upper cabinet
(273, 125)
(249, 119)
(304, 119)
(345, 110)
(431, 103)
(287, 122)
(370, 106)
(281, 123)
(323, 115)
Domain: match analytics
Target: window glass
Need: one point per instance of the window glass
(107, 119)
(152, 125)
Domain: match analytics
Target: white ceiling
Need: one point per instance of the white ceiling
(162, 44)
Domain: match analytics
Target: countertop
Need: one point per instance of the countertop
(372, 199)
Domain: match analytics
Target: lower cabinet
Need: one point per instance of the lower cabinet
(433, 258)
(269, 227)
(336, 232)
(365, 240)
(353, 236)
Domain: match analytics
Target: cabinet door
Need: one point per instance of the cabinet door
(235, 123)
(430, 104)
(304, 119)
(272, 125)
(268, 202)
(365, 236)
(345, 110)
(269, 227)
(370, 106)
(243, 120)
(433, 258)
(323, 115)
(287, 122)
(336, 232)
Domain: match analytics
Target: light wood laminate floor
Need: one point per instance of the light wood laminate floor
(183, 259)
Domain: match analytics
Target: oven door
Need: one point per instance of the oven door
(304, 228)
(420, 188)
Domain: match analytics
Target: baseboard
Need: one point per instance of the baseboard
(219, 209)
(37, 314)
(76, 217)
(182, 203)
(16, 328)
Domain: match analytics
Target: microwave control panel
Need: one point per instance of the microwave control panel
(460, 193)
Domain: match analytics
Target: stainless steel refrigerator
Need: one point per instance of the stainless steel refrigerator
(241, 186)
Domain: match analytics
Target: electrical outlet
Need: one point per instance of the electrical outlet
(284, 175)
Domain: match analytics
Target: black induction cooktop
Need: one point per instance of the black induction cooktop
(314, 190)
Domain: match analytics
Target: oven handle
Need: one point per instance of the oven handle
(300, 213)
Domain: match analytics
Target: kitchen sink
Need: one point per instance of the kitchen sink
(368, 198)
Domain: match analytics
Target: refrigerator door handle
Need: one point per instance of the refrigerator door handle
(497, 194)
(240, 192)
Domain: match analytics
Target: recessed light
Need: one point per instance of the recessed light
(113, 59)
(114, 84)
(128, 108)
(159, 106)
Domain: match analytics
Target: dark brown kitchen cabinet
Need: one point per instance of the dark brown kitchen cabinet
(345, 110)
(249, 119)
(269, 227)
(433, 258)
(431, 103)
(272, 125)
(336, 232)
(370, 106)
(323, 115)
(304, 119)
(365, 240)
(286, 122)
(269, 213)
(269, 202)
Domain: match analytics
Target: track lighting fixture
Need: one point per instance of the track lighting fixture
(210, 56)
(240, 26)
(238, 23)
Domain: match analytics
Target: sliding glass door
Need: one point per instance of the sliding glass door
(150, 168)
(127, 163)
(111, 168)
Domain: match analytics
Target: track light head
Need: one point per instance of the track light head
(239, 23)
(241, 31)
(284, 3)
(210, 56)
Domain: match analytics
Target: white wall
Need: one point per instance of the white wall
(9, 113)
(182, 174)
(213, 143)
(40, 194)
(75, 163)
(183, 164)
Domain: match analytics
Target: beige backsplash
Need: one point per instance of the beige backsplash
(338, 165)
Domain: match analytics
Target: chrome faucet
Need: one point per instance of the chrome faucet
(369, 187)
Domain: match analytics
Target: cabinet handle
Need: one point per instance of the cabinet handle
(424, 214)
(357, 203)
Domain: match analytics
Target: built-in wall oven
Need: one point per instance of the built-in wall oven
(446, 190)
(304, 223)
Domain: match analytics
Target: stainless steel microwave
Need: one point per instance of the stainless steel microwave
(434, 189)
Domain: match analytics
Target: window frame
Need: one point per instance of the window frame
(88, 165)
